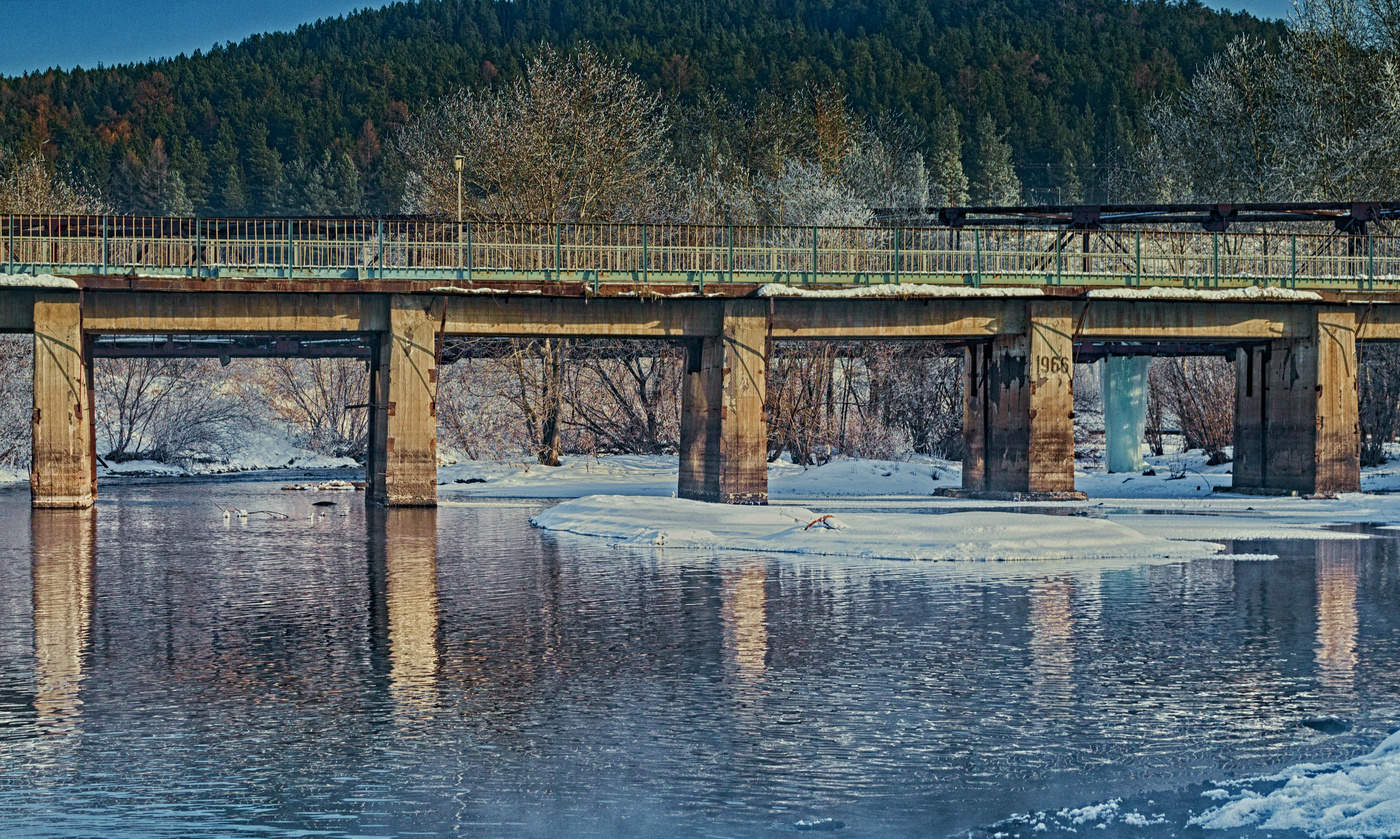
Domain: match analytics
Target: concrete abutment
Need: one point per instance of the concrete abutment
(724, 438)
(1296, 414)
(402, 452)
(1018, 408)
(63, 470)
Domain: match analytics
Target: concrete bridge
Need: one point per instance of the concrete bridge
(1023, 300)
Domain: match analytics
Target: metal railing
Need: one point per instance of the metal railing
(607, 254)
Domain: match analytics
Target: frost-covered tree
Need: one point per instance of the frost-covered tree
(1315, 118)
(578, 138)
(949, 181)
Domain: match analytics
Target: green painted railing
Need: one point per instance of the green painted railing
(655, 254)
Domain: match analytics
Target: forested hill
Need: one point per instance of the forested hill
(248, 126)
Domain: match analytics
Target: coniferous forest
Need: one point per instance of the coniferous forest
(304, 122)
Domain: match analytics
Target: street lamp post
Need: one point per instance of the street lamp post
(458, 161)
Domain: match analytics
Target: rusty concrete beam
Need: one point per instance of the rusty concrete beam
(1147, 320)
(116, 312)
(16, 310)
(514, 316)
(928, 318)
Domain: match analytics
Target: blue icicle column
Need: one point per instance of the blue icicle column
(1124, 411)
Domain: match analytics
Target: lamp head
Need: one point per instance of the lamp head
(458, 161)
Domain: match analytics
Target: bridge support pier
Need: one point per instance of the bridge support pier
(1296, 419)
(63, 471)
(402, 456)
(724, 438)
(1018, 409)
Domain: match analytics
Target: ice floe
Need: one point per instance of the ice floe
(980, 535)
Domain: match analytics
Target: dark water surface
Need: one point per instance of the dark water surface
(419, 672)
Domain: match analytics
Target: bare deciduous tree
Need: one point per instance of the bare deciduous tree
(324, 399)
(163, 409)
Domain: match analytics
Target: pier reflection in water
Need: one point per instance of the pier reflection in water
(64, 552)
(162, 674)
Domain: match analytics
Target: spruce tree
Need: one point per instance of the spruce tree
(996, 182)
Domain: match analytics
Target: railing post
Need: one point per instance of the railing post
(814, 254)
(558, 252)
(469, 252)
(977, 257)
(729, 238)
(898, 234)
(1059, 257)
(1293, 260)
(106, 242)
(290, 260)
(379, 258)
(1215, 257)
(198, 247)
(1370, 261)
(645, 270)
(1137, 257)
(10, 246)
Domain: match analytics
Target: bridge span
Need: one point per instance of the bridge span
(1022, 301)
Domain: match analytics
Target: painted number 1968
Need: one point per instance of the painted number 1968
(1049, 365)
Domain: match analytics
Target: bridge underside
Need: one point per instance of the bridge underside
(1296, 415)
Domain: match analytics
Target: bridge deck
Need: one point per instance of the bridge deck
(594, 256)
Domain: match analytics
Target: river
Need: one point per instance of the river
(167, 672)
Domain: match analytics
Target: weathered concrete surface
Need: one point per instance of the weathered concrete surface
(118, 312)
(1018, 407)
(517, 316)
(403, 406)
(16, 310)
(63, 472)
(1163, 320)
(929, 318)
(1296, 420)
(724, 438)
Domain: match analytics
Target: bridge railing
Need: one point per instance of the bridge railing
(355, 248)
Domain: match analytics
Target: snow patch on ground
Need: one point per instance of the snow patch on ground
(902, 290)
(656, 475)
(36, 281)
(256, 451)
(1358, 798)
(984, 535)
(1212, 294)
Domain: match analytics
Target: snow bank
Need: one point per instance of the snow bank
(256, 451)
(657, 475)
(1216, 294)
(9, 475)
(1358, 798)
(36, 281)
(678, 523)
(900, 290)
(452, 289)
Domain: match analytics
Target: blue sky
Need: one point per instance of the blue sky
(64, 33)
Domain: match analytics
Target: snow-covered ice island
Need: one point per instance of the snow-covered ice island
(975, 535)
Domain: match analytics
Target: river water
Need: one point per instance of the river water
(164, 672)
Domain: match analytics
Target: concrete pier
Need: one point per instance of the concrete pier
(724, 439)
(1296, 423)
(1018, 408)
(403, 406)
(63, 473)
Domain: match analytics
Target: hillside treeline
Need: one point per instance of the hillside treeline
(301, 122)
